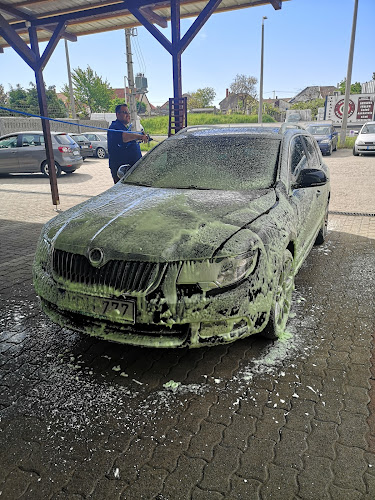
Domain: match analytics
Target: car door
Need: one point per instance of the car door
(321, 193)
(302, 198)
(9, 154)
(31, 152)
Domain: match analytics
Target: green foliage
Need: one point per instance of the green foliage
(349, 143)
(115, 102)
(90, 91)
(355, 88)
(27, 100)
(244, 87)
(313, 105)
(3, 96)
(201, 98)
(141, 107)
(159, 125)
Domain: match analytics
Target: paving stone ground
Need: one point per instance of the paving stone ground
(293, 419)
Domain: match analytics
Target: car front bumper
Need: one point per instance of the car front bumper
(177, 321)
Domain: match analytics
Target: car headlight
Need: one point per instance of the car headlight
(325, 141)
(216, 273)
(43, 253)
(359, 143)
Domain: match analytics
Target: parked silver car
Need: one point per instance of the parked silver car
(24, 152)
(99, 143)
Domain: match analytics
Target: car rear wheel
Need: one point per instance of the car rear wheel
(45, 169)
(100, 153)
(355, 152)
(282, 300)
(320, 239)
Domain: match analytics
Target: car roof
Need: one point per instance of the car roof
(228, 130)
(32, 132)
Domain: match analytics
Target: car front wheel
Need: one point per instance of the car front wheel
(45, 169)
(100, 153)
(329, 152)
(355, 152)
(282, 299)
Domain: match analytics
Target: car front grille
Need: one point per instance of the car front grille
(123, 276)
(370, 143)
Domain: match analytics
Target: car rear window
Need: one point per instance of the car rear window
(237, 162)
(80, 138)
(64, 139)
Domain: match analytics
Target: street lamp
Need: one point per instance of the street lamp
(260, 111)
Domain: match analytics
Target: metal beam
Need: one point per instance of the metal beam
(20, 14)
(154, 18)
(43, 109)
(15, 41)
(48, 51)
(198, 23)
(276, 4)
(151, 28)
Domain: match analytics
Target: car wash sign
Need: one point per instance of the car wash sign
(360, 109)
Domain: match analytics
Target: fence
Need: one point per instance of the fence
(16, 124)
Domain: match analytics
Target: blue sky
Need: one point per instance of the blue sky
(306, 43)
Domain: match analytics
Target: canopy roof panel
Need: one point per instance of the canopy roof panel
(84, 17)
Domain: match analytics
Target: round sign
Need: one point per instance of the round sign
(339, 108)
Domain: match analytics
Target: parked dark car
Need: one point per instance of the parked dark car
(24, 152)
(325, 135)
(99, 143)
(84, 144)
(198, 244)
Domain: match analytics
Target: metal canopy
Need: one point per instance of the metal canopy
(84, 17)
(26, 23)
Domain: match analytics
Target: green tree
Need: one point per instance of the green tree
(355, 88)
(244, 87)
(27, 100)
(3, 96)
(201, 98)
(141, 107)
(313, 105)
(91, 92)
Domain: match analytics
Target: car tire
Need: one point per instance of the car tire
(330, 150)
(100, 153)
(355, 152)
(282, 299)
(44, 168)
(70, 172)
(321, 237)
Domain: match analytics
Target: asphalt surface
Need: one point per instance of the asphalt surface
(294, 419)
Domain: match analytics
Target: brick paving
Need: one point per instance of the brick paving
(294, 419)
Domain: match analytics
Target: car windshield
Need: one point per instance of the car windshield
(368, 129)
(64, 139)
(318, 130)
(224, 162)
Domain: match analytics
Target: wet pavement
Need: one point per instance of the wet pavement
(294, 419)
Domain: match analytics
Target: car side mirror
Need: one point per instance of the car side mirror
(310, 177)
(122, 171)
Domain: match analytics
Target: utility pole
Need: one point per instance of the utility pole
(260, 111)
(72, 103)
(129, 60)
(348, 82)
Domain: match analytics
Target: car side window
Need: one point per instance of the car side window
(30, 140)
(312, 153)
(9, 142)
(297, 158)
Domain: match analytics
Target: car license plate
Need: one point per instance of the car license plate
(76, 152)
(370, 148)
(121, 309)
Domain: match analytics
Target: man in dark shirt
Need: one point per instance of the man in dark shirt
(123, 148)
